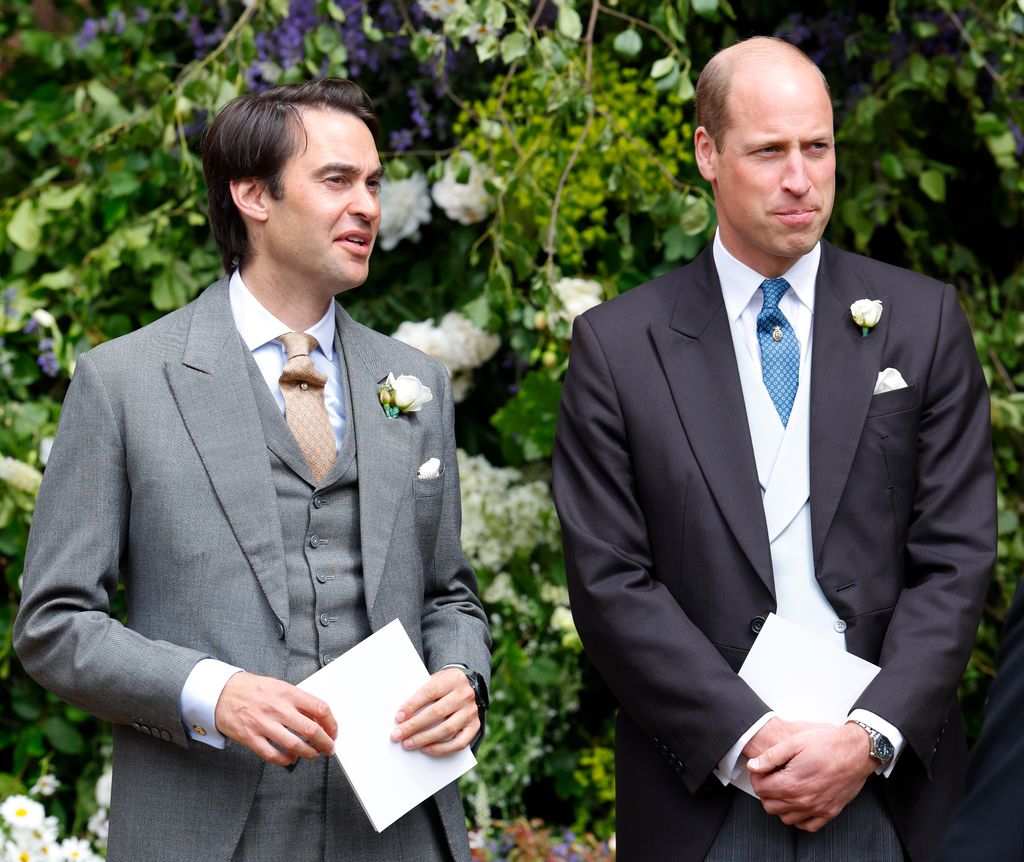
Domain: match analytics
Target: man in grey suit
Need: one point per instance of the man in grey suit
(734, 442)
(255, 543)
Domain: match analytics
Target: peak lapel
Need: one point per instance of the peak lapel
(699, 361)
(214, 395)
(382, 449)
(843, 375)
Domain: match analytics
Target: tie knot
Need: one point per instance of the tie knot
(773, 289)
(298, 343)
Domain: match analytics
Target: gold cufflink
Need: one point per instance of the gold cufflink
(200, 730)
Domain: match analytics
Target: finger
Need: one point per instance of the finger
(460, 741)
(440, 731)
(774, 757)
(813, 824)
(432, 714)
(440, 684)
(316, 723)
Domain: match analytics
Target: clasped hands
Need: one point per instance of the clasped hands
(806, 773)
(281, 723)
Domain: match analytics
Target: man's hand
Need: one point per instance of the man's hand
(809, 777)
(774, 731)
(274, 719)
(441, 717)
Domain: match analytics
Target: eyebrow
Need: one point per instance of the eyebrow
(343, 168)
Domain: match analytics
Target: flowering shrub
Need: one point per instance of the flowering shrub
(27, 833)
(537, 163)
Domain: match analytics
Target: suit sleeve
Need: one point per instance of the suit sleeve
(950, 546)
(664, 671)
(453, 622)
(64, 634)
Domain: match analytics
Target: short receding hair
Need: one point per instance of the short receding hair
(715, 82)
(254, 136)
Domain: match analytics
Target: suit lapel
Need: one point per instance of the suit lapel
(382, 450)
(843, 375)
(213, 393)
(698, 359)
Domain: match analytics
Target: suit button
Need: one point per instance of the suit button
(756, 624)
(319, 501)
(321, 577)
(280, 631)
(325, 619)
(327, 659)
(314, 541)
(839, 626)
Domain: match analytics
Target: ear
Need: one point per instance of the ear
(706, 153)
(252, 198)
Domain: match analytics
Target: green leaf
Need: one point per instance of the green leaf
(25, 228)
(696, 215)
(685, 90)
(335, 11)
(514, 46)
(526, 422)
(933, 184)
(707, 8)
(569, 23)
(628, 43)
(63, 735)
(892, 167)
(664, 67)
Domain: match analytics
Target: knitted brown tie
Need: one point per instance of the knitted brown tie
(303, 389)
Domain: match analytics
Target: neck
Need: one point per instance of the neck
(298, 309)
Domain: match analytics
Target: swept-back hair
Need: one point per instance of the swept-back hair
(254, 136)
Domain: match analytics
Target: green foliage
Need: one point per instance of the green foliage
(579, 116)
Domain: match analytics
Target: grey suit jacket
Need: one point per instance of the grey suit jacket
(160, 477)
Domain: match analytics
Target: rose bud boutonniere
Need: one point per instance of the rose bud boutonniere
(403, 394)
(866, 313)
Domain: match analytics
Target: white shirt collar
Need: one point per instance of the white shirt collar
(257, 326)
(740, 282)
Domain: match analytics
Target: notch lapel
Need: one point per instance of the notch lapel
(843, 375)
(698, 359)
(382, 450)
(212, 390)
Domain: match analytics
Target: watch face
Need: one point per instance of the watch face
(883, 749)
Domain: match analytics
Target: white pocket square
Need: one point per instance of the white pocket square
(889, 381)
(430, 469)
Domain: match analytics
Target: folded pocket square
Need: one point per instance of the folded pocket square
(889, 381)
(430, 469)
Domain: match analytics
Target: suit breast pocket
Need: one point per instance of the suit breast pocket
(895, 401)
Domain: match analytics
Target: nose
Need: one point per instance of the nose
(795, 179)
(366, 203)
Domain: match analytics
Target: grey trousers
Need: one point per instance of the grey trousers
(310, 814)
(863, 832)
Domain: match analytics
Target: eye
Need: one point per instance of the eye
(374, 185)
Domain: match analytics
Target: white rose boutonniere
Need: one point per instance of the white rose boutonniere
(866, 313)
(403, 394)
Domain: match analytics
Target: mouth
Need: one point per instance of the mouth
(357, 241)
(797, 217)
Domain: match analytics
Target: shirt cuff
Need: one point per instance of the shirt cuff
(199, 698)
(729, 767)
(887, 730)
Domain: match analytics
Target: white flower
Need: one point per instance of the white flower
(46, 785)
(440, 10)
(99, 825)
(45, 446)
(866, 313)
(77, 850)
(19, 475)
(468, 202)
(574, 295)
(403, 394)
(457, 343)
(480, 30)
(43, 317)
(103, 789)
(20, 812)
(405, 207)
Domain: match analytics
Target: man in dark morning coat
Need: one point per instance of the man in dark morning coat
(989, 824)
(253, 551)
(703, 481)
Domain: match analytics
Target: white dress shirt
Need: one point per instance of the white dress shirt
(743, 300)
(259, 330)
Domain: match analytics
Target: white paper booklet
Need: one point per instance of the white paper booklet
(364, 688)
(802, 677)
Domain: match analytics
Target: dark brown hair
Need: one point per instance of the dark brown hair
(254, 136)
(715, 82)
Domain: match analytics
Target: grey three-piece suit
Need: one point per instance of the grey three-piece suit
(174, 470)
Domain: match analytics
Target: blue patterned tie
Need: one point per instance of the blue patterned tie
(780, 352)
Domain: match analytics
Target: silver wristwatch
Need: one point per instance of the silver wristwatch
(881, 749)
